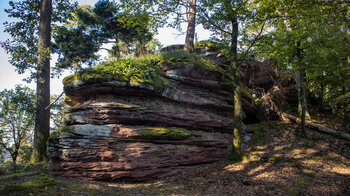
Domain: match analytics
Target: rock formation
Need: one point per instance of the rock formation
(152, 118)
(123, 130)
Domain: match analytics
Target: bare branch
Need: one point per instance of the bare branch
(255, 39)
(47, 107)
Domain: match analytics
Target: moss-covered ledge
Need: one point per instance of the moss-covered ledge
(169, 133)
(133, 72)
(142, 71)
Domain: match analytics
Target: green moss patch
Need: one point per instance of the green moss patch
(258, 130)
(167, 133)
(35, 184)
(209, 44)
(69, 80)
(138, 71)
(55, 135)
(16, 175)
(212, 46)
(183, 57)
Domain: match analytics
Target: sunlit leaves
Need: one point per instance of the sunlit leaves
(23, 29)
(17, 109)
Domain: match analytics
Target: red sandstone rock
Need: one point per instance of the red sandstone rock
(107, 139)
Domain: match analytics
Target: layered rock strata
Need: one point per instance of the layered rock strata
(118, 130)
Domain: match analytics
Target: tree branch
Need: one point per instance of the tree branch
(207, 18)
(255, 39)
(47, 107)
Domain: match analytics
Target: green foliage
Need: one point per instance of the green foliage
(160, 10)
(138, 71)
(183, 57)
(74, 47)
(341, 108)
(168, 133)
(106, 22)
(316, 31)
(69, 80)
(57, 113)
(23, 44)
(17, 110)
(218, 15)
(223, 48)
(341, 105)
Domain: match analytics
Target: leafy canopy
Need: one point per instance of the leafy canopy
(23, 44)
(17, 111)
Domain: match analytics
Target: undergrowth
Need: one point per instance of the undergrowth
(138, 71)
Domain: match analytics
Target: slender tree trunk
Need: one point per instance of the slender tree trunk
(303, 103)
(321, 96)
(347, 41)
(14, 162)
(189, 45)
(299, 78)
(42, 118)
(236, 153)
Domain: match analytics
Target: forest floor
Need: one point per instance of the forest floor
(277, 162)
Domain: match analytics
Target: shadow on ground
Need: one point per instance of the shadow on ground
(277, 163)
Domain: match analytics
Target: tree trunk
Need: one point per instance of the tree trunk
(14, 163)
(347, 41)
(236, 153)
(299, 79)
(42, 118)
(321, 96)
(189, 45)
(116, 49)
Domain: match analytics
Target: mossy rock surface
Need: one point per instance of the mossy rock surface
(65, 129)
(171, 133)
(209, 44)
(141, 71)
(135, 71)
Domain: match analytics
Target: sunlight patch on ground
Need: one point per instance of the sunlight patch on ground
(261, 147)
(256, 170)
(266, 176)
(235, 167)
(282, 147)
(93, 186)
